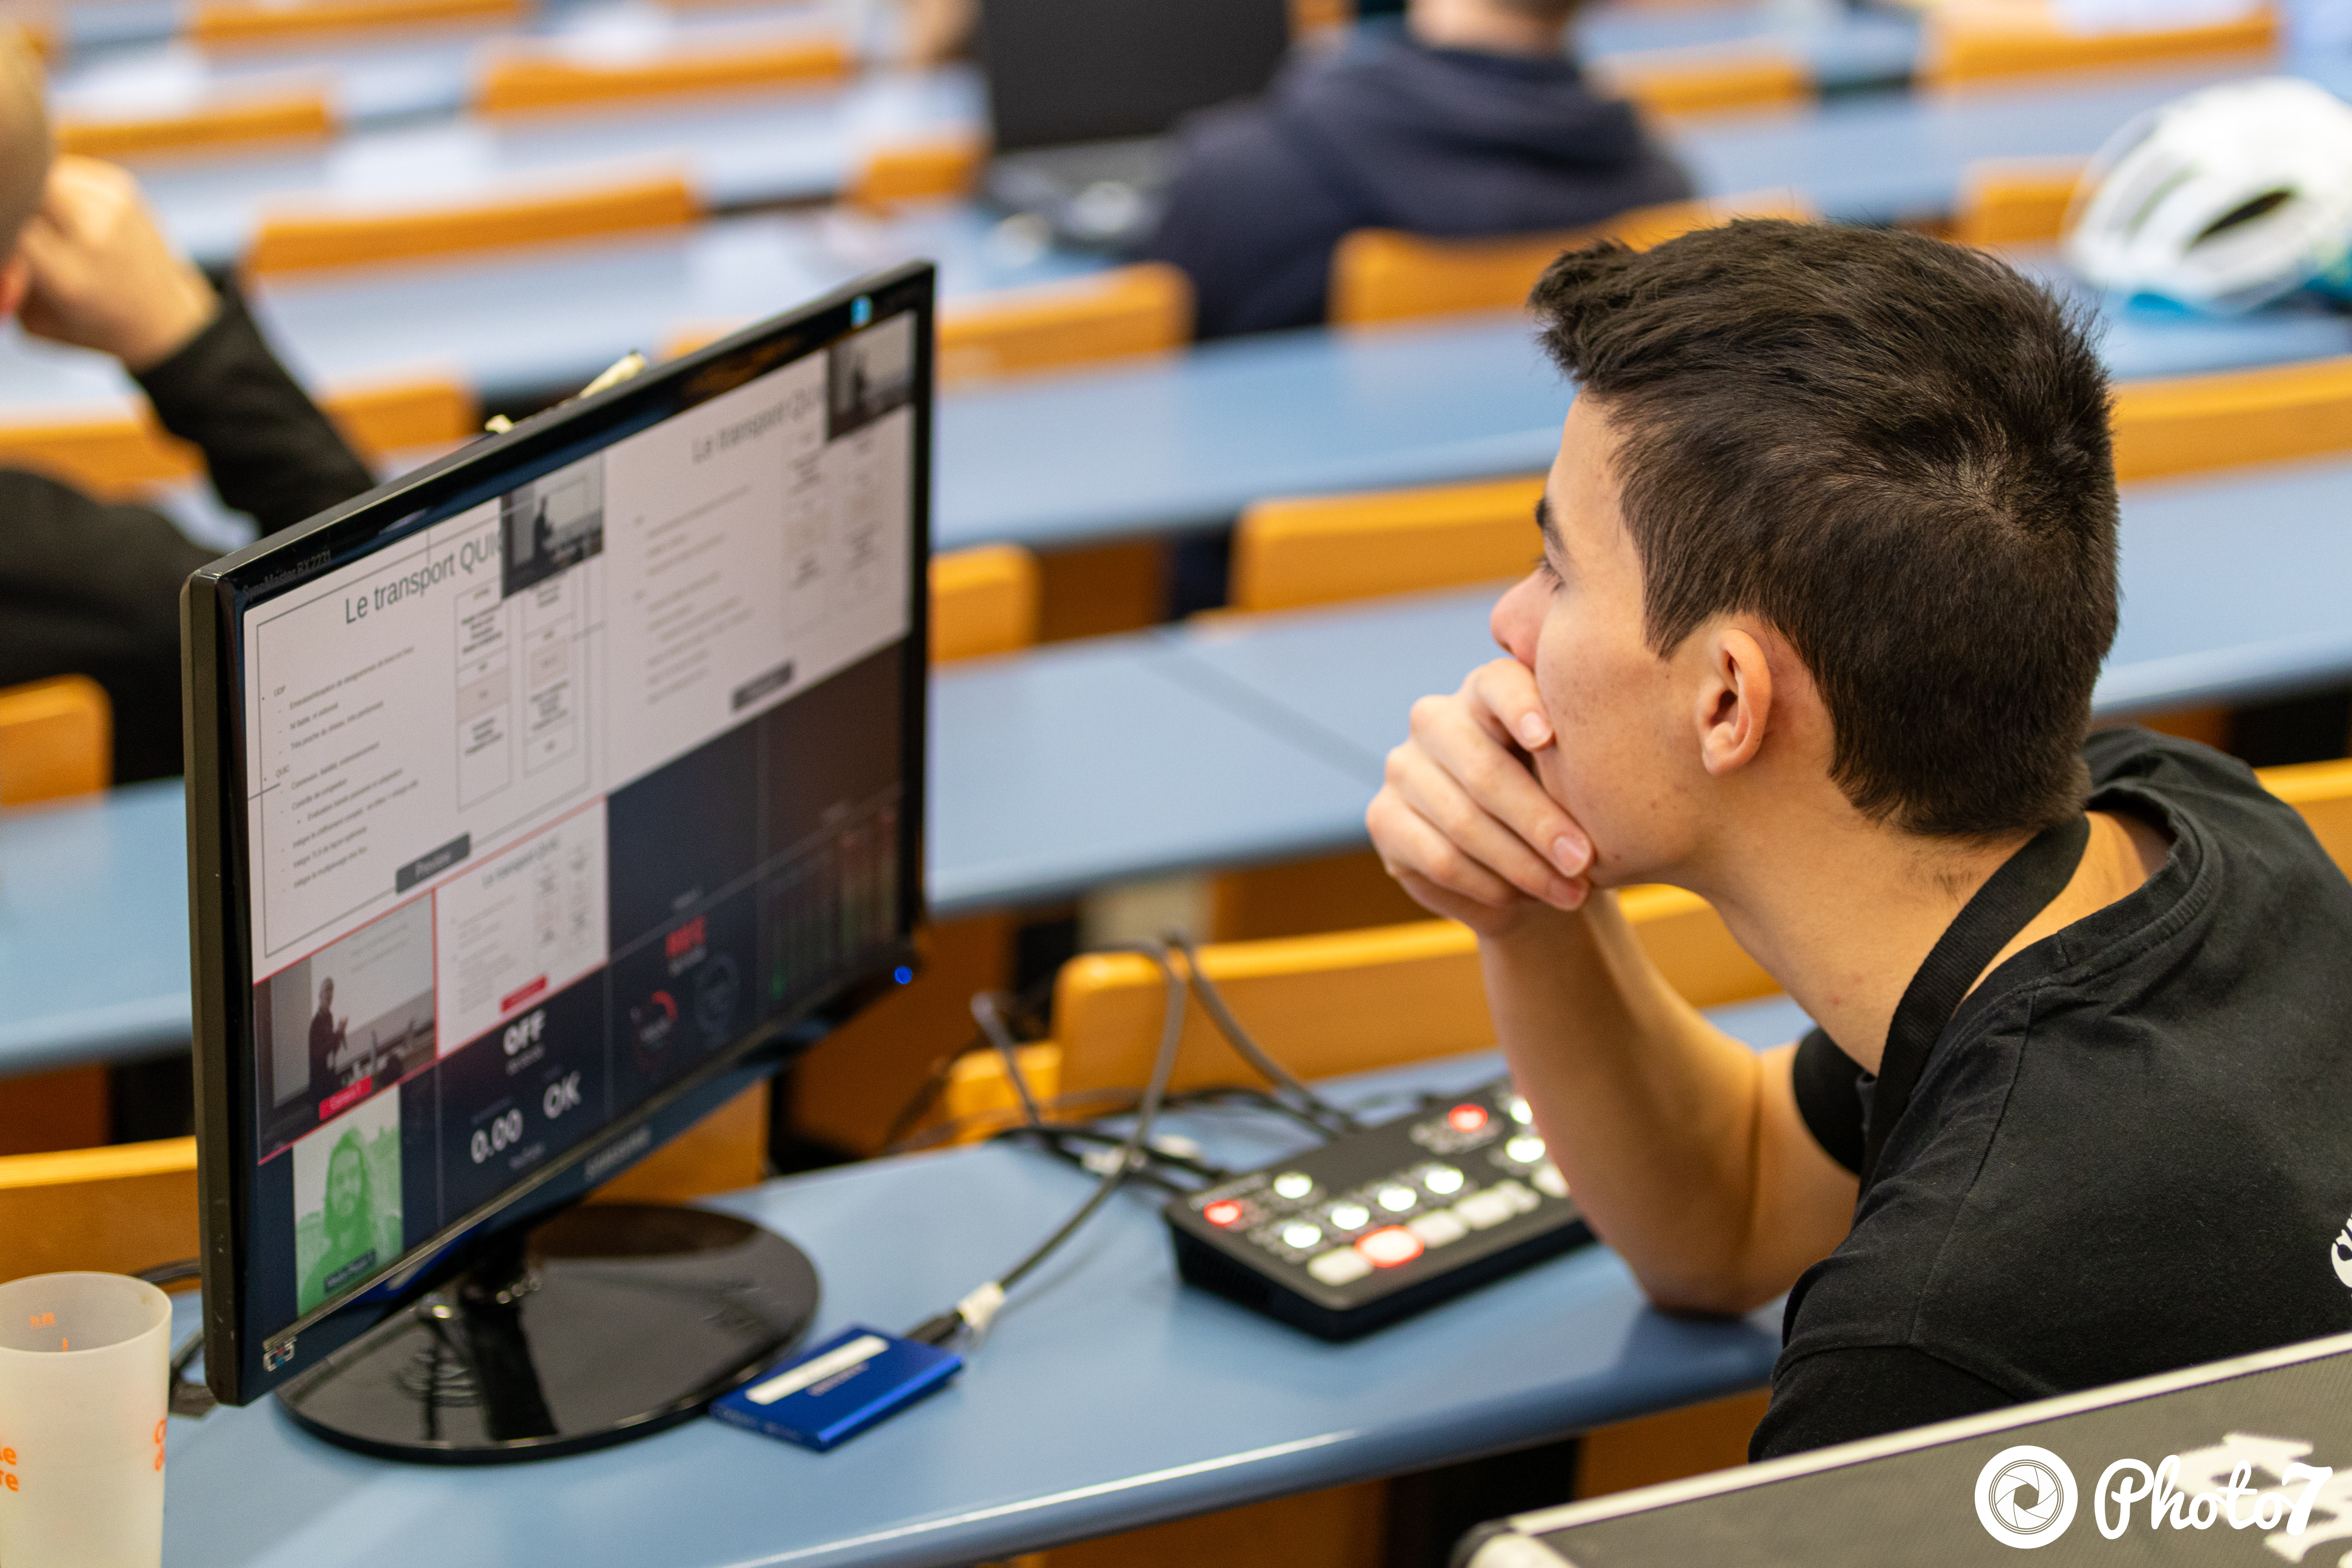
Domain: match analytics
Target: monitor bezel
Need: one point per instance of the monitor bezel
(242, 1364)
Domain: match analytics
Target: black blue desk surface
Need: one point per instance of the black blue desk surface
(1107, 1397)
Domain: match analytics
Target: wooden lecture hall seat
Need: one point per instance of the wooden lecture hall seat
(1969, 42)
(892, 175)
(527, 79)
(239, 125)
(1386, 275)
(2015, 201)
(126, 455)
(1142, 308)
(1712, 79)
(293, 241)
(229, 25)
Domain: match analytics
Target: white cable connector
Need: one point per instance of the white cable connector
(979, 1310)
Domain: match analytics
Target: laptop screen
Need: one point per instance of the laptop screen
(1066, 72)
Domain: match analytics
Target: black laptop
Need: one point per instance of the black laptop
(1082, 94)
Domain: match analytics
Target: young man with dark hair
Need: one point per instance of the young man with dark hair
(1460, 117)
(1828, 570)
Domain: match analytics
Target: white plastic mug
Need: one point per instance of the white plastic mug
(84, 1367)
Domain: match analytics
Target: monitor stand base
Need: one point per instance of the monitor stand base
(605, 1323)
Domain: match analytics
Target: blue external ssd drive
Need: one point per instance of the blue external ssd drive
(825, 1396)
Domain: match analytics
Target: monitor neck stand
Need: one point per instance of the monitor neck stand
(605, 1323)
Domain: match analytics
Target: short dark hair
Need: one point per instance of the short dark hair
(1896, 452)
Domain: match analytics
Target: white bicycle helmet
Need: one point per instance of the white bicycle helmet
(2225, 200)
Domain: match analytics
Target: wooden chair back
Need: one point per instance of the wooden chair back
(123, 456)
(265, 24)
(1127, 310)
(2322, 792)
(1671, 83)
(984, 600)
(113, 1210)
(1963, 44)
(1316, 550)
(2194, 423)
(1348, 1001)
(1386, 275)
(291, 242)
(2015, 201)
(521, 82)
(895, 173)
(241, 125)
(57, 740)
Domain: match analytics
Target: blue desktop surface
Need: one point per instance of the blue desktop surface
(1187, 442)
(1094, 761)
(94, 930)
(1842, 46)
(1107, 1397)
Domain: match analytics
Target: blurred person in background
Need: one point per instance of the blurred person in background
(92, 588)
(1462, 117)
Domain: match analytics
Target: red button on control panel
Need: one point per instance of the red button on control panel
(1389, 1246)
(1467, 1117)
(1225, 1211)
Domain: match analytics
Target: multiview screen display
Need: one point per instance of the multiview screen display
(557, 795)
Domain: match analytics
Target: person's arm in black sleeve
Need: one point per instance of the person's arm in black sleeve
(1838, 1396)
(272, 453)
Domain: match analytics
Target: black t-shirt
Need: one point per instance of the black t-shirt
(2130, 1150)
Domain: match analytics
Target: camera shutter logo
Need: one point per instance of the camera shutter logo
(2025, 1496)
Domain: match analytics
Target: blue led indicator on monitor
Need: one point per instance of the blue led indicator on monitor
(903, 975)
(861, 310)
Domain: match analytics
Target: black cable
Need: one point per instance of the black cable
(1331, 1117)
(992, 1024)
(1171, 1034)
(979, 1307)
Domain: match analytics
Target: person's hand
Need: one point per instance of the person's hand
(1461, 821)
(102, 274)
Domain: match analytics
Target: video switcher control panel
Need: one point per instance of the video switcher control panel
(1378, 1225)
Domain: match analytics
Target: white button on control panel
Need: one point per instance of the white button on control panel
(1480, 1210)
(1439, 1228)
(1549, 1182)
(1396, 1199)
(1443, 1179)
(1351, 1216)
(1292, 1185)
(1344, 1267)
(1298, 1234)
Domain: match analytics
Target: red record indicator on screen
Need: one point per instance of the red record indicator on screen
(1225, 1211)
(1467, 1117)
(1389, 1247)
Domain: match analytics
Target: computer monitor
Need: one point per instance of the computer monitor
(538, 801)
(1066, 71)
(1082, 93)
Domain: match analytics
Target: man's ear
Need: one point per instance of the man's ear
(16, 282)
(1735, 701)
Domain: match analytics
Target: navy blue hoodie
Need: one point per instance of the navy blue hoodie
(1384, 132)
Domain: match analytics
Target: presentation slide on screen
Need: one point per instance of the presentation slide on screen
(434, 733)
